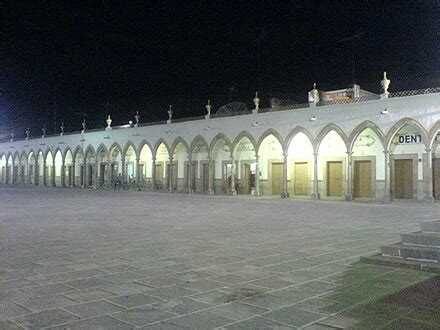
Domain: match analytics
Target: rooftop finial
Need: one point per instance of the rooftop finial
(208, 109)
(385, 83)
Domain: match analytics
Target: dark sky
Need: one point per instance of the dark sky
(58, 58)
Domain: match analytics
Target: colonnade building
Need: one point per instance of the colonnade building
(345, 144)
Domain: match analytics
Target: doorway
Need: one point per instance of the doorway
(205, 177)
(362, 179)
(246, 181)
(277, 178)
(159, 176)
(436, 177)
(301, 179)
(334, 179)
(403, 178)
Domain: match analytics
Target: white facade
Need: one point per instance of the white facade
(271, 152)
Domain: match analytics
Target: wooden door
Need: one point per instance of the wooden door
(22, 173)
(436, 177)
(362, 179)
(334, 179)
(277, 178)
(68, 175)
(301, 179)
(159, 175)
(141, 172)
(90, 176)
(246, 179)
(102, 174)
(403, 178)
(205, 177)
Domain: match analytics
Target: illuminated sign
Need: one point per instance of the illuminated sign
(410, 138)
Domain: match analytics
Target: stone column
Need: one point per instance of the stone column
(285, 191)
(233, 191)
(211, 176)
(257, 177)
(84, 174)
(124, 177)
(153, 173)
(427, 170)
(36, 175)
(170, 176)
(349, 192)
(72, 174)
(52, 176)
(12, 171)
(44, 173)
(387, 188)
(315, 194)
(138, 174)
(63, 174)
(190, 175)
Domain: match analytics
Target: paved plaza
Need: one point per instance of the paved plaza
(82, 259)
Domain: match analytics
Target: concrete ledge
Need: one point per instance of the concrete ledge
(378, 259)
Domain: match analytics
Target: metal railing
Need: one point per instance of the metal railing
(415, 92)
(264, 110)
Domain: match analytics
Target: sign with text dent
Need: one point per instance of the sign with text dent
(410, 138)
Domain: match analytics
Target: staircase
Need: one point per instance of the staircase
(418, 250)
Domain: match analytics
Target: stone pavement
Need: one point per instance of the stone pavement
(83, 259)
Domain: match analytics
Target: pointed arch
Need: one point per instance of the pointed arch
(435, 130)
(157, 145)
(113, 146)
(327, 129)
(294, 132)
(127, 146)
(45, 154)
(101, 147)
(406, 122)
(196, 140)
(56, 150)
(268, 132)
(31, 153)
(177, 141)
(142, 145)
(76, 151)
(239, 137)
(16, 154)
(362, 127)
(88, 149)
(64, 154)
(217, 138)
(23, 154)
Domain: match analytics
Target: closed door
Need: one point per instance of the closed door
(362, 179)
(436, 177)
(247, 174)
(277, 178)
(23, 168)
(190, 179)
(68, 175)
(141, 171)
(403, 178)
(301, 179)
(159, 174)
(102, 173)
(334, 179)
(205, 177)
(90, 176)
(174, 176)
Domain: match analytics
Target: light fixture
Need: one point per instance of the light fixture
(313, 118)
(384, 111)
(255, 124)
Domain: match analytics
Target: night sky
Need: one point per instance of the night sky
(62, 58)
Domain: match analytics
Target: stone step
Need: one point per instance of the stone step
(421, 238)
(430, 226)
(412, 252)
(379, 259)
